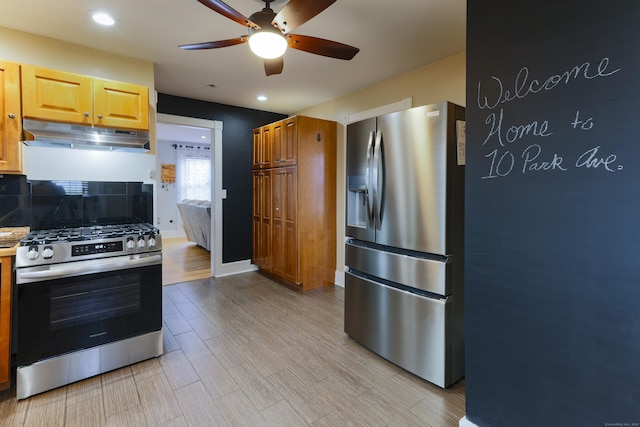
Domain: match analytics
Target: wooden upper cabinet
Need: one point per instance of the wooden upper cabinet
(256, 156)
(120, 105)
(10, 120)
(285, 142)
(72, 98)
(290, 141)
(262, 143)
(56, 95)
(277, 155)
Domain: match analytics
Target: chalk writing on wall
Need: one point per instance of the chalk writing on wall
(516, 147)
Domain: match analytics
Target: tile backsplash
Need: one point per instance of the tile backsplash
(56, 204)
(15, 203)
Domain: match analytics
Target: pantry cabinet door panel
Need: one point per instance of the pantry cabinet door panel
(290, 141)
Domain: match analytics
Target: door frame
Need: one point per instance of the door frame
(217, 192)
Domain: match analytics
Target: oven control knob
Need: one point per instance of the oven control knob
(33, 254)
(47, 253)
(130, 244)
(151, 242)
(140, 242)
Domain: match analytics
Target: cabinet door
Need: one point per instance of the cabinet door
(56, 95)
(266, 147)
(277, 144)
(266, 248)
(5, 322)
(290, 141)
(120, 105)
(262, 142)
(291, 256)
(10, 122)
(278, 221)
(256, 153)
(256, 217)
(261, 244)
(285, 142)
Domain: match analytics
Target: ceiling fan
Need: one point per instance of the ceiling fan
(270, 33)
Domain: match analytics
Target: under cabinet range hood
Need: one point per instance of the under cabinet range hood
(51, 134)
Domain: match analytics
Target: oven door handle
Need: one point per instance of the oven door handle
(87, 267)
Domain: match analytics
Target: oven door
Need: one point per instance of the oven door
(78, 305)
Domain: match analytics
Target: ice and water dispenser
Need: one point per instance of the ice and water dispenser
(357, 203)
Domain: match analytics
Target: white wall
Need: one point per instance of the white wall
(28, 48)
(47, 163)
(168, 217)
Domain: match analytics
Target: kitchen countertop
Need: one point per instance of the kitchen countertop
(10, 239)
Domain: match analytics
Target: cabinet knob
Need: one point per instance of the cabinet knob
(100, 116)
(12, 116)
(86, 114)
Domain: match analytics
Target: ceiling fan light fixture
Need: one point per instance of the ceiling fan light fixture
(267, 44)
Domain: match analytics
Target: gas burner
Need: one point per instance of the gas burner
(97, 232)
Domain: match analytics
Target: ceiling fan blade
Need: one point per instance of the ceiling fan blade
(226, 10)
(273, 66)
(321, 46)
(297, 12)
(216, 44)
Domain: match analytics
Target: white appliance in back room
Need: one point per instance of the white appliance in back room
(404, 282)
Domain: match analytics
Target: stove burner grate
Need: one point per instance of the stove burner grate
(77, 234)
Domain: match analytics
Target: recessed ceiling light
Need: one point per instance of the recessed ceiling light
(261, 98)
(103, 18)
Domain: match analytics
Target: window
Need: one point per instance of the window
(197, 178)
(193, 172)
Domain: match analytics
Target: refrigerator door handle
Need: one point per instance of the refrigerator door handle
(369, 193)
(378, 168)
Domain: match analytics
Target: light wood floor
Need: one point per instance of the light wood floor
(183, 260)
(243, 350)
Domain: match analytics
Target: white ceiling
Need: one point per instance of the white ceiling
(394, 36)
(173, 133)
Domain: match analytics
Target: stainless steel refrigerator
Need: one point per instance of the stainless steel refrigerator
(404, 281)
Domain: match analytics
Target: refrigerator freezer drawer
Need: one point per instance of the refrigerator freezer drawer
(426, 274)
(409, 330)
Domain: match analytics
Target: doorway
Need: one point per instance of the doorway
(172, 130)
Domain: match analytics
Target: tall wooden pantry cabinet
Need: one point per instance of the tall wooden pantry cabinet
(294, 201)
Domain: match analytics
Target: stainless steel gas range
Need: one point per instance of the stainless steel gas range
(89, 301)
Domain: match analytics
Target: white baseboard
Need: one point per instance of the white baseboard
(464, 422)
(339, 279)
(172, 234)
(230, 268)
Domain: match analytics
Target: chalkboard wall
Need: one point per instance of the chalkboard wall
(237, 126)
(552, 318)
